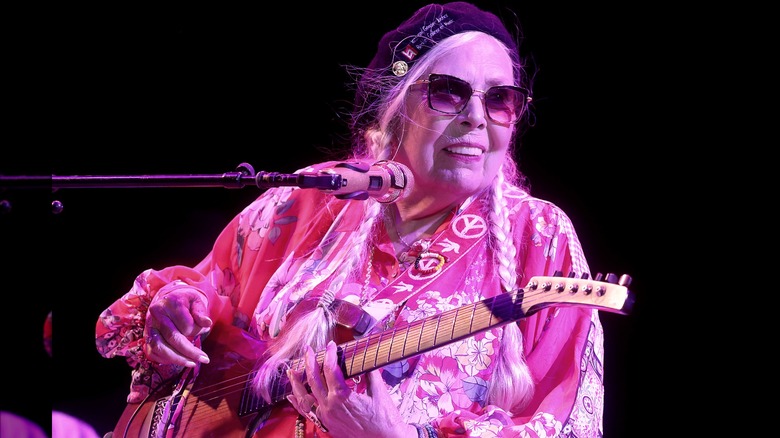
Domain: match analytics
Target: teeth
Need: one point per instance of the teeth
(465, 150)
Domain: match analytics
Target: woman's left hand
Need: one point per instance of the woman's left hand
(341, 411)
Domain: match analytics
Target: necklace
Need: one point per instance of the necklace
(400, 238)
(390, 221)
(428, 227)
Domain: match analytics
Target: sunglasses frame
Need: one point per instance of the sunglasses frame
(436, 76)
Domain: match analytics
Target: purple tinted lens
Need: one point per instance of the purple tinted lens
(448, 94)
(504, 104)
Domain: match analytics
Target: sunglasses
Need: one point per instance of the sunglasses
(504, 104)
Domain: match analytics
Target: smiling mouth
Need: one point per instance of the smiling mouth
(465, 150)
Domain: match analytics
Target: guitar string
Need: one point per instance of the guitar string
(375, 342)
(501, 305)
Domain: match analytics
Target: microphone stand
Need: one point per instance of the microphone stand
(243, 176)
(237, 179)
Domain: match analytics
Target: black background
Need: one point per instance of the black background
(148, 89)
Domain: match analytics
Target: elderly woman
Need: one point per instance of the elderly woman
(300, 276)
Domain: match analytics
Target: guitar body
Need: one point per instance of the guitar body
(213, 404)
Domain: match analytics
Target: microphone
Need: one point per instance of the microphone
(386, 181)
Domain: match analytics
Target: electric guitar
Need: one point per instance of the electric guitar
(217, 400)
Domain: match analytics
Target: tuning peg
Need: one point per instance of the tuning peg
(625, 280)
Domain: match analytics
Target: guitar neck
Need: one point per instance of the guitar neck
(379, 349)
(376, 350)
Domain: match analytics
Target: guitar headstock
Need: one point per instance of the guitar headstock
(604, 292)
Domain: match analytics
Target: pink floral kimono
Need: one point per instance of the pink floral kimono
(275, 240)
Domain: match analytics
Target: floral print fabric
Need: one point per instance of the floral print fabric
(277, 237)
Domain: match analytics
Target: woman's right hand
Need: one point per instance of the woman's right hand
(172, 324)
(340, 411)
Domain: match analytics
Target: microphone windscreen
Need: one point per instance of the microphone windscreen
(400, 184)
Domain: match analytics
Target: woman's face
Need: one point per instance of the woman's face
(456, 156)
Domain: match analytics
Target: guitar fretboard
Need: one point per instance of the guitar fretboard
(375, 350)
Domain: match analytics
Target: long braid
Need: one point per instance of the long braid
(363, 239)
(511, 385)
(501, 239)
(311, 323)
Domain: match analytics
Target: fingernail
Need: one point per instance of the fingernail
(189, 364)
(204, 359)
